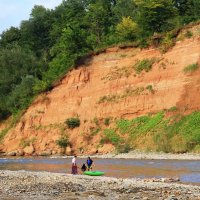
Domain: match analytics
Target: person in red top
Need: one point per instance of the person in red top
(74, 166)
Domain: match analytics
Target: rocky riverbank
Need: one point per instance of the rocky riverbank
(144, 155)
(46, 186)
(136, 154)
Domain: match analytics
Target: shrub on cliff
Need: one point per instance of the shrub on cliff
(62, 142)
(145, 65)
(191, 68)
(72, 122)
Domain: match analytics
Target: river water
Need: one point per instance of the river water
(188, 171)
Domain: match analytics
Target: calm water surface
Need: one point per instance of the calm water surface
(188, 170)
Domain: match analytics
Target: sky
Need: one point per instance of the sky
(12, 12)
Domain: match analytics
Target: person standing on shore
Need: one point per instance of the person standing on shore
(89, 163)
(74, 166)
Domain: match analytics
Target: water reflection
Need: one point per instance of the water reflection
(187, 171)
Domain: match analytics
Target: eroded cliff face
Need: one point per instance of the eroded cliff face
(108, 86)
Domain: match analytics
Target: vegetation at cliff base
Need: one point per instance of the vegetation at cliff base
(177, 134)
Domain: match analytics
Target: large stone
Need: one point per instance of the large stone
(61, 151)
(45, 153)
(20, 152)
(12, 153)
(68, 151)
(29, 150)
(54, 152)
(93, 151)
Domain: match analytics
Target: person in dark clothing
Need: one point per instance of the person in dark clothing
(89, 163)
(83, 168)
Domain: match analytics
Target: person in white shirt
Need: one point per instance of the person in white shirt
(74, 165)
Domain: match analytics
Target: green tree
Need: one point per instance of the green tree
(189, 10)
(181, 6)
(124, 8)
(15, 64)
(10, 36)
(67, 13)
(155, 15)
(193, 11)
(21, 95)
(127, 29)
(71, 45)
(36, 31)
(98, 19)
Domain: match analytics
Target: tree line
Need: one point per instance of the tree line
(48, 44)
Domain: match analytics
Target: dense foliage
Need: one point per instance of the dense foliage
(49, 43)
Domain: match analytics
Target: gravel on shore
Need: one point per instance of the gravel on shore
(144, 155)
(23, 185)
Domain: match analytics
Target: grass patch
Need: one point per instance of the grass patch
(172, 109)
(150, 89)
(108, 98)
(110, 136)
(128, 92)
(24, 143)
(95, 131)
(118, 73)
(3, 134)
(107, 121)
(168, 41)
(176, 134)
(144, 65)
(96, 121)
(191, 68)
(188, 34)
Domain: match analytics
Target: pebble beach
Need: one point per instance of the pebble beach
(149, 155)
(23, 185)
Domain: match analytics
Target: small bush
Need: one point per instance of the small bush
(123, 148)
(109, 98)
(107, 121)
(110, 136)
(62, 142)
(94, 131)
(150, 88)
(167, 42)
(191, 68)
(24, 143)
(145, 65)
(188, 34)
(173, 109)
(73, 122)
(96, 121)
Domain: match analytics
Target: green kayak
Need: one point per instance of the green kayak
(94, 173)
